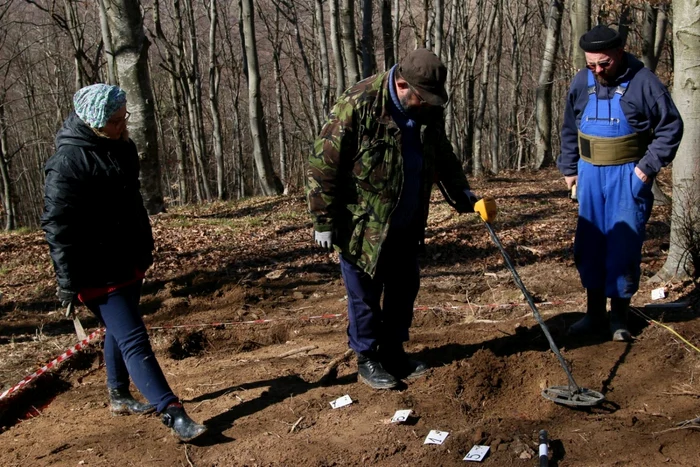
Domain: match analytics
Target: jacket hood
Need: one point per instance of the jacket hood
(75, 132)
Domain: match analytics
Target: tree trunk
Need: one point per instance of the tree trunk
(7, 193)
(543, 98)
(347, 24)
(495, 99)
(439, 6)
(179, 131)
(269, 182)
(337, 48)
(451, 65)
(214, 79)
(131, 56)
(396, 36)
(325, 68)
(107, 39)
(193, 84)
(368, 59)
(580, 24)
(387, 35)
(683, 254)
(483, 88)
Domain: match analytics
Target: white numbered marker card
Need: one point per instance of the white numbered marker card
(341, 402)
(658, 294)
(436, 437)
(401, 416)
(477, 453)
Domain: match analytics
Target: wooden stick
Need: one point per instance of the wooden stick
(331, 370)
(296, 351)
(295, 424)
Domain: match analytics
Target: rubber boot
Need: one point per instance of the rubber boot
(619, 312)
(397, 362)
(175, 418)
(371, 372)
(595, 319)
(123, 403)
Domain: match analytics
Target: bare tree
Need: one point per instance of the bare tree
(269, 182)
(347, 24)
(214, 80)
(543, 110)
(580, 24)
(483, 88)
(325, 67)
(387, 35)
(683, 254)
(107, 40)
(131, 56)
(337, 48)
(368, 59)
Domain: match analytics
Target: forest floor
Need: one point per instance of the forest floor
(240, 262)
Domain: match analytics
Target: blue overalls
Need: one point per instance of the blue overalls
(614, 206)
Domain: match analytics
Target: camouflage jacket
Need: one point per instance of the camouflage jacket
(355, 173)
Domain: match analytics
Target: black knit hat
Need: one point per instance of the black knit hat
(600, 38)
(423, 70)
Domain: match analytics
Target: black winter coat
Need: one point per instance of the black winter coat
(95, 222)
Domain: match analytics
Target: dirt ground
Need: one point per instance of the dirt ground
(237, 262)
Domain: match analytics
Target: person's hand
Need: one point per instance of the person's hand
(570, 180)
(642, 176)
(324, 239)
(66, 296)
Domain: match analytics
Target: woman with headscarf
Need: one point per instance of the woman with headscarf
(101, 245)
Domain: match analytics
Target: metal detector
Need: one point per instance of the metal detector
(571, 395)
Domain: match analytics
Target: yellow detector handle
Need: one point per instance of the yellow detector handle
(487, 209)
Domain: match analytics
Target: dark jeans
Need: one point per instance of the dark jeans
(127, 349)
(369, 323)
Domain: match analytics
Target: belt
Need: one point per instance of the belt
(612, 151)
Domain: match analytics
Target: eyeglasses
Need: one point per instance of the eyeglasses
(604, 64)
(117, 122)
(420, 98)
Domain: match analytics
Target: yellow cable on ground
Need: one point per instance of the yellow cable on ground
(668, 328)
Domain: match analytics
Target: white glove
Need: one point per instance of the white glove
(472, 197)
(324, 239)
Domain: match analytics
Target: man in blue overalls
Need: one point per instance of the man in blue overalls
(620, 128)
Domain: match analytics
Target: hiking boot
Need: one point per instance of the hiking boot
(123, 403)
(371, 372)
(175, 418)
(397, 362)
(619, 312)
(595, 319)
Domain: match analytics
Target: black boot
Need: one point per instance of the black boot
(397, 362)
(175, 418)
(619, 311)
(371, 372)
(595, 319)
(123, 403)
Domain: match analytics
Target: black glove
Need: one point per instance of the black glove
(66, 296)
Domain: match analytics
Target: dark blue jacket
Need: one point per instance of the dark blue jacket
(647, 105)
(95, 222)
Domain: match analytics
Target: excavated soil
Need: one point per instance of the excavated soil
(237, 264)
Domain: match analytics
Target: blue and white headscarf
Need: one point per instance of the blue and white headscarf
(94, 104)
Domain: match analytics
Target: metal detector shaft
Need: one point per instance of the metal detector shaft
(573, 386)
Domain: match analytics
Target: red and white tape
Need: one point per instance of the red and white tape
(53, 363)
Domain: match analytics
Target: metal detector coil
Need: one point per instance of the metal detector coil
(567, 396)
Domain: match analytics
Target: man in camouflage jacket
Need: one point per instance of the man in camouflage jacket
(368, 187)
